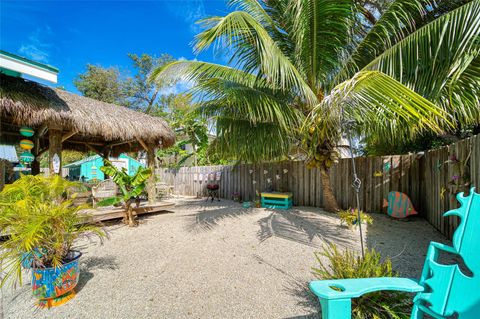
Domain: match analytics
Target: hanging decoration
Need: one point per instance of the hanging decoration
(250, 171)
(386, 167)
(26, 131)
(442, 192)
(26, 144)
(26, 157)
(265, 172)
(277, 176)
(378, 174)
(285, 171)
(56, 163)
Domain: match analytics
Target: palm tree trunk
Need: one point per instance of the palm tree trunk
(329, 200)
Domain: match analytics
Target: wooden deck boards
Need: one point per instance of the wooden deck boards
(108, 213)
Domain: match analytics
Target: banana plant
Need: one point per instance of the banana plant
(131, 188)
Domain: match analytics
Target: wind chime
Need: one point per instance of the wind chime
(26, 157)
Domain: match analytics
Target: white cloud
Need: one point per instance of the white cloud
(180, 87)
(190, 10)
(37, 47)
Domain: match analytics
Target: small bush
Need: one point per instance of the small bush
(347, 264)
(350, 218)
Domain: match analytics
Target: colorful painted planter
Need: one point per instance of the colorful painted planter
(54, 286)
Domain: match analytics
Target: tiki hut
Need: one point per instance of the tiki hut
(63, 120)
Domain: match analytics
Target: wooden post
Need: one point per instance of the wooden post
(151, 189)
(35, 166)
(55, 150)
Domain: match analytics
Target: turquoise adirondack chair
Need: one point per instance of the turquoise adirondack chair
(442, 291)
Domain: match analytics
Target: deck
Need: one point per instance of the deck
(108, 213)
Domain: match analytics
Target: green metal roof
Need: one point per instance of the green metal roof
(80, 162)
(28, 61)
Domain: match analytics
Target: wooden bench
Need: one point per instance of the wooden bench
(276, 200)
(104, 189)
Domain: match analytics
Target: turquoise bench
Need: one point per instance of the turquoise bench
(276, 200)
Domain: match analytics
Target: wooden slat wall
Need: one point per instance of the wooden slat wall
(421, 176)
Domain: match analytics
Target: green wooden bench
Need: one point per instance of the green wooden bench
(276, 200)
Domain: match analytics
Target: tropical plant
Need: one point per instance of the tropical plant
(42, 224)
(349, 217)
(298, 67)
(347, 264)
(131, 188)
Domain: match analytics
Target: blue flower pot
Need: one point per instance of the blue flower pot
(54, 286)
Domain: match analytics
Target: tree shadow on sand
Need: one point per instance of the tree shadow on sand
(88, 264)
(297, 288)
(304, 227)
(205, 219)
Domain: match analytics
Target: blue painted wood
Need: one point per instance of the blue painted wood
(353, 288)
(442, 291)
(276, 203)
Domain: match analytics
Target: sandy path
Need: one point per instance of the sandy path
(217, 261)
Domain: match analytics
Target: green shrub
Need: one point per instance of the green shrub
(42, 224)
(350, 218)
(347, 264)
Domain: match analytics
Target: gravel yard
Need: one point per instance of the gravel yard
(217, 260)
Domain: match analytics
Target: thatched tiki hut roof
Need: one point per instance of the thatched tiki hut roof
(86, 124)
(63, 120)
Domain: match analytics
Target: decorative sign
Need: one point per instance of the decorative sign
(218, 175)
(56, 163)
(200, 177)
(195, 177)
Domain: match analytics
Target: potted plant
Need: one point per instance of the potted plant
(131, 188)
(42, 224)
(236, 196)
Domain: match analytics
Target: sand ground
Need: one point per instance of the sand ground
(217, 260)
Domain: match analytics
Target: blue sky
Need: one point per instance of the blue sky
(70, 34)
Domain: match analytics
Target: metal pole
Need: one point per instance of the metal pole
(356, 185)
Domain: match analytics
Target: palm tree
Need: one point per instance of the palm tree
(298, 67)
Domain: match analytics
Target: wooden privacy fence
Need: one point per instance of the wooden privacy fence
(430, 179)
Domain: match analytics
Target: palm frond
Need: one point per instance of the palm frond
(400, 19)
(383, 106)
(441, 50)
(253, 51)
(241, 140)
(228, 98)
(321, 31)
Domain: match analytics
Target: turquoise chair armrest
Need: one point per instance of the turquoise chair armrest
(354, 288)
(443, 247)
